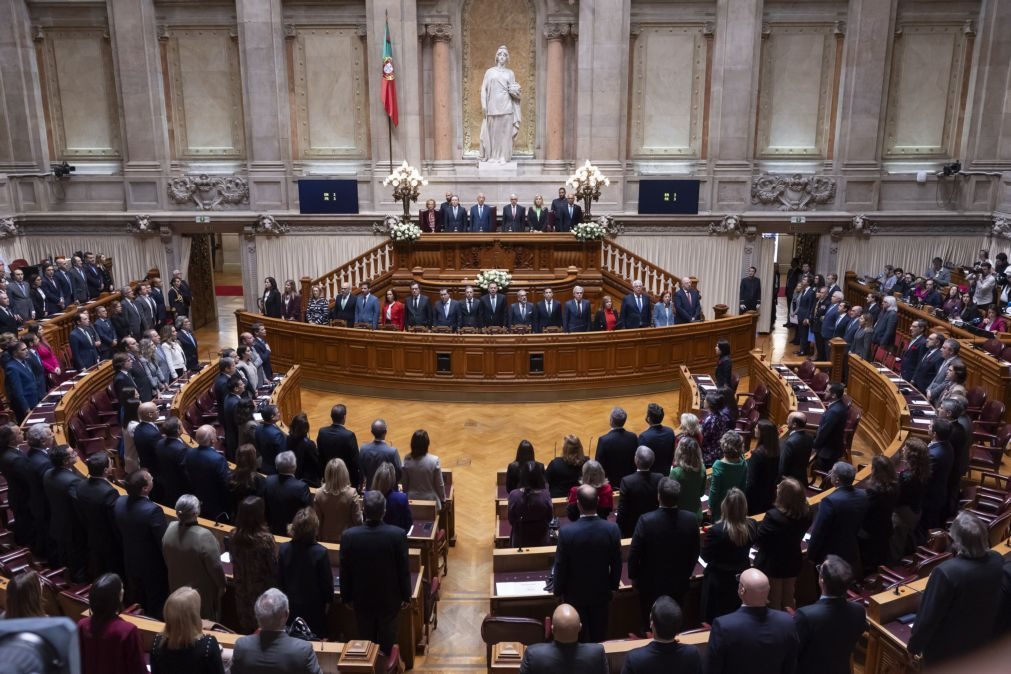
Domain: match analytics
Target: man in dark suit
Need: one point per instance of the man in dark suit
(454, 218)
(229, 423)
(796, 454)
(826, 330)
(131, 312)
(226, 368)
(170, 463)
(616, 449)
(659, 438)
(374, 576)
(664, 654)
(270, 649)
(569, 215)
(751, 292)
(146, 306)
(942, 463)
(78, 281)
(754, 639)
(184, 333)
(446, 312)
(284, 494)
(142, 525)
(40, 439)
(66, 529)
(96, 498)
(62, 278)
(805, 313)
(470, 309)
(930, 363)
(146, 437)
(493, 308)
(84, 342)
(576, 312)
(21, 296)
(588, 565)
(270, 440)
(558, 204)
(828, 441)
(207, 474)
(418, 310)
(665, 547)
(54, 298)
(959, 606)
(122, 382)
(16, 470)
(638, 492)
(522, 312)
(635, 308)
(8, 320)
(848, 323)
(549, 312)
(344, 307)
(839, 519)
(93, 277)
(482, 216)
(514, 216)
(19, 380)
(564, 653)
(259, 343)
(375, 453)
(687, 302)
(915, 351)
(337, 442)
(828, 630)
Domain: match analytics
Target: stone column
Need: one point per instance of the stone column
(602, 81)
(441, 34)
(989, 125)
(265, 100)
(23, 140)
(735, 83)
(554, 136)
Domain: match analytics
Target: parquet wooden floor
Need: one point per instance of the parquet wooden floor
(475, 440)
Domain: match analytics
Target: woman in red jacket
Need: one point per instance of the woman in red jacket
(393, 310)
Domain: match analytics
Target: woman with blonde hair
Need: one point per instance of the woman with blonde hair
(317, 311)
(24, 596)
(291, 302)
(689, 429)
(690, 473)
(725, 550)
(563, 472)
(779, 535)
(593, 475)
(182, 645)
(398, 511)
(607, 316)
(337, 504)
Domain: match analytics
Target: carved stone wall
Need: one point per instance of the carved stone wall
(200, 276)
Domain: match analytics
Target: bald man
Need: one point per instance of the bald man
(754, 638)
(796, 452)
(565, 653)
(514, 216)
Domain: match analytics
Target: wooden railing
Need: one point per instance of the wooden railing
(373, 266)
(626, 266)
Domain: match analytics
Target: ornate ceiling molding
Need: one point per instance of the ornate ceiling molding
(209, 193)
(796, 193)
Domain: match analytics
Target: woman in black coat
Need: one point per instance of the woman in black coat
(38, 299)
(725, 550)
(270, 302)
(779, 535)
(724, 366)
(306, 452)
(304, 573)
(875, 536)
(763, 468)
(524, 454)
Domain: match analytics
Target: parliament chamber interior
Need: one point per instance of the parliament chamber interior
(532, 336)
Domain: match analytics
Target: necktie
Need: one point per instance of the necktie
(480, 211)
(416, 299)
(468, 306)
(523, 309)
(579, 308)
(638, 302)
(493, 303)
(447, 309)
(549, 307)
(570, 212)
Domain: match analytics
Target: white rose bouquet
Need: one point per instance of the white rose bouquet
(585, 183)
(589, 231)
(404, 231)
(497, 276)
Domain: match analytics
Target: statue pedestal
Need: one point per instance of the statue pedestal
(489, 169)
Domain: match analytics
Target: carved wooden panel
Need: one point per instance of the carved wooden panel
(205, 91)
(795, 95)
(331, 93)
(80, 93)
(668, 81)
(924, 90)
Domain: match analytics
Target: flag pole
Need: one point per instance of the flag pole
(389, 127)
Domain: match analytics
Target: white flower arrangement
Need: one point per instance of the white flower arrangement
(402, 231)
(589, 231)
(587, 178)
(497, 276)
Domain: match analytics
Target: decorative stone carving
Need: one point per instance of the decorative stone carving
(610, 225)
(207, 192)
(859, 225)
(500, 102)
(730, 225)
(797, 193)
(267, 225)
(142, 226)
(9, 228)
(439, 32)
(559, 31)
(1001, 226)
(386, 225)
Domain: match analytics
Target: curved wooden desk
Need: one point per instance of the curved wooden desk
(500, 367)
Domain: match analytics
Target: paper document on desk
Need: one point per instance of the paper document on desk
(520, 588)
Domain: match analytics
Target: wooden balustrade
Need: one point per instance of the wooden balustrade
(374, 266)
(885, 412)
(625, 266)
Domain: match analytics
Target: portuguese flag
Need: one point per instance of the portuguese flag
(389, 82)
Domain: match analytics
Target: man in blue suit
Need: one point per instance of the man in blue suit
(840, 517)
(235, 387)
(659, 438)
(754, 638)
(366, 306)
(828, 630)
(83, 342)
(929, 364)
(446, 312)
(828, 441)
(805, 312)
(521, 312)
(569, 215)
(635, 308)
(481, 216)
(146, 437)
(51, 291)
(828, 323)
(588, 565)
(207, 473)
(549, 312)
(915, 351)
(22, 391)
(270, 440)
(687, 302)
(454, 218)
(942, 462)
(576, 312)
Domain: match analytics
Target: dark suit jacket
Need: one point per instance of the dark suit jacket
(207, 474)
(17, 471)
(472, 318)
(270, 441)
(840, 516)
(269, 652)
(93, 278)
(565, 222)
(805, 304)
(927, 369)
(828, 630)
(229, 424)
(261, 348)
(828, 441)
(958, 608)
(527, 317)
(795, 456)
(631, 317)
(489, 317)
(537, 223)
(688, 311)
(884, 328)
(942, 463)
(439, 317)
(424, 224)
(304, 574)
(457, 223)
(374, 571)
(22, 389)
(576, 321)
(82, 348)
(8, 323)
(170, 462)
(547, 318)
(79, 285)
(829, 321)
(552, 657)
(62, 279)
(752, 640)
(422, 315)
(38, 464)
(778, 542)
(142, 523)
(588, 562)
(189, 344)
(724, 371)
(284, 495)
(751, 293)
(616, 454)
(95, 501)
(145, 438)
(665, 548)
(638, 497)
(337, 442)
(347, 314)
(663, 658)
(53, 294)
(512, 223)
(65, 527)
(660, 439)
(911, 358)
(133, 318)
(485, 222)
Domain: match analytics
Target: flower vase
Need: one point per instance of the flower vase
(407, 209)
(587, 200)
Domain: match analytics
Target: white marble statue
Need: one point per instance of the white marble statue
(500, 102)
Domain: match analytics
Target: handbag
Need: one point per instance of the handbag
(299, 629)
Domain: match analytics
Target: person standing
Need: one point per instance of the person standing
(482, 218)
(142, 523)
(337, 442)
(514, 216)
(635, 308)
(828, 441)
(271, 650)
(193, 558)
(638, 492)
(564, 653)
(576, 312)
(616, 448)
(659, 438)
(828, 629)
(751, 292)
(664, 653)
(304, 573)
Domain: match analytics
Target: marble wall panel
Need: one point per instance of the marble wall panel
(667, 87)
(206, 94)
(80, 92)
(6, 151)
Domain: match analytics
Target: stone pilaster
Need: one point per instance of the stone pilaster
(602, 80)
(735, 83)
(554, 135)
(988, 147)
(442, 120)
(251, 281)
(23, 140)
